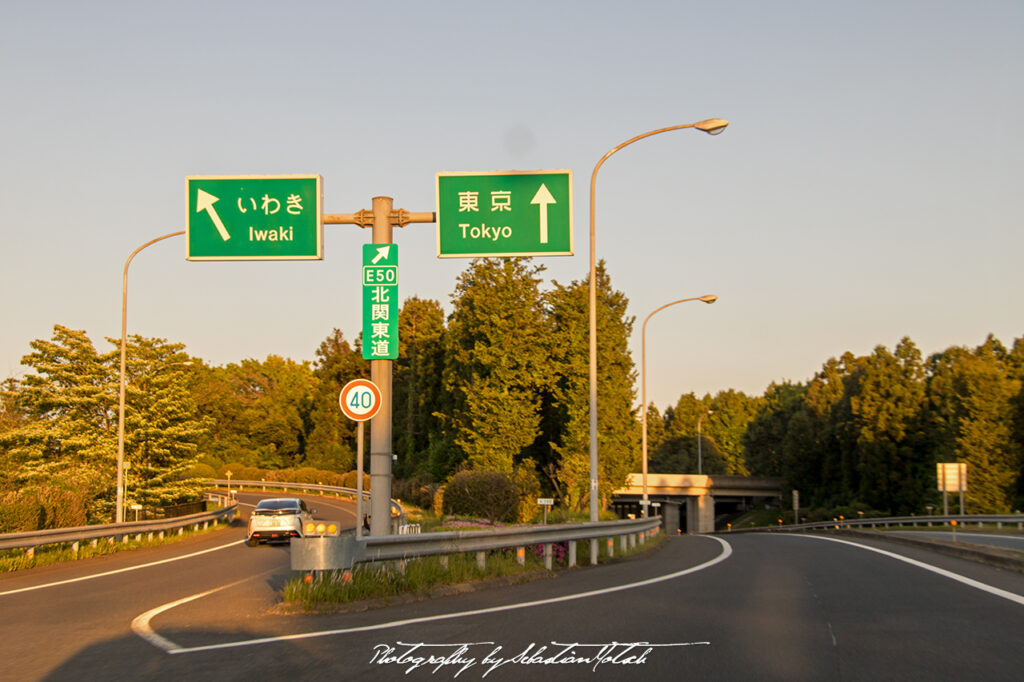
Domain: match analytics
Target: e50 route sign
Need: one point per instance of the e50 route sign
(504, 213)
(380, 301)
(254, 217)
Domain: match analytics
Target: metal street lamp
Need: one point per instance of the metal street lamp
(119, 511)
(700, 458)
(712, 126)
(710, 298)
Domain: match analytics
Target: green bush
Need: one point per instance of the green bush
(488, 494)
(201, 471)
(418, 491)
(42, 507)
(350, 479)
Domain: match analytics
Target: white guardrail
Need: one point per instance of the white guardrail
(116, 532)
(341, 552)
(897, 521)
(397, 512)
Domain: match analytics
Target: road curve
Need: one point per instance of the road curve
(776, 607)
(52, 614)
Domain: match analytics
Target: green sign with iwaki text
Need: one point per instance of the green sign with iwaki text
(380, 301)
(504, 213)
(254, 217)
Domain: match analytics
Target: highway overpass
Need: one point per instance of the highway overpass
(690, 501)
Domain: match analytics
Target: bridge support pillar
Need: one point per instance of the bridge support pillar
(700, 514)
(670, 517)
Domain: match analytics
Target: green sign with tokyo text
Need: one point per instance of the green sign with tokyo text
(504, 213)
(254, 217)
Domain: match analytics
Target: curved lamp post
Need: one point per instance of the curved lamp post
(710, 298)
(712, 126)
(119, 513)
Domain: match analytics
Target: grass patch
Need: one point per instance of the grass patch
(427, 577)
(45, 555)
(389, 580)
(759, 518)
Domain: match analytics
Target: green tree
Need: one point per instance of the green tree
(417, 385)
(886, 399)
(617, 422)
(59, 453)
(496, 362)
(655, 430)
(820, 453)
(330, 445)
(677, 452)
(764, 439)
(261, 411)
(972, 399)
(731, 413)
(162, 422)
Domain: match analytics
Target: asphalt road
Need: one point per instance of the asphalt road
(737, 607)
(51, 614)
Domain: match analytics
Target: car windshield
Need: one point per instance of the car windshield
(276, 508)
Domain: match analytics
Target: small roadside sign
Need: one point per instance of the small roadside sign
(360, 400)
(546, 502)
(952, 476)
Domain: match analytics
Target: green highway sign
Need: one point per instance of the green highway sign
(380, 301)
(254, 217)
(504, 213)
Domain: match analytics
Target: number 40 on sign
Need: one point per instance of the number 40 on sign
(360, 400)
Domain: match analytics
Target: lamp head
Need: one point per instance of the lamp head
(712, 126)
(710, 298)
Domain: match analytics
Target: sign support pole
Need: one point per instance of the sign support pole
(961, 480)
(382, 218)
(945, 493)
(359, 480)
(380, 374)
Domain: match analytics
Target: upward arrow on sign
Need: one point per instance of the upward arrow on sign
(504, 214)
(543, 198)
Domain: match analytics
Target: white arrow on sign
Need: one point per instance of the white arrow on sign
(205, 202)
(542, 198)
(382, 254)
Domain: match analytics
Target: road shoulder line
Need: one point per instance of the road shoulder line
(119, 570)
(172, 648)
(970, 582)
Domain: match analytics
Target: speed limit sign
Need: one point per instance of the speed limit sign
(360, 399)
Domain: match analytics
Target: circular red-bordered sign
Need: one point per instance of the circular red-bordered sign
(360, 399)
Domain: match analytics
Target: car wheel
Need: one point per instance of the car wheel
(252, 542)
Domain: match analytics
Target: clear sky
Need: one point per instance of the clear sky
(869, 186)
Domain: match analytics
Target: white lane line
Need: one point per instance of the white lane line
(172, 648)
(1016, 598)
(141, 627)
(121, 570)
